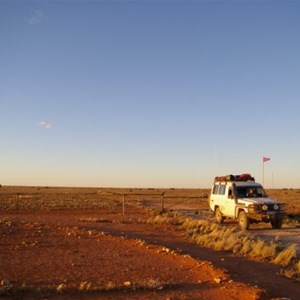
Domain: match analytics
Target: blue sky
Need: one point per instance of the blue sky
(149, 93)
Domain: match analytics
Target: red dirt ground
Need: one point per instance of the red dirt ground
(99, 254)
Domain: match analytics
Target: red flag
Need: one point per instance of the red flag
(266, 159)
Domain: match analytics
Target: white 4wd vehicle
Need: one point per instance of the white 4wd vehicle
(240, 197)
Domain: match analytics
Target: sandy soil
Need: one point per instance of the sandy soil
(66, 243)
(99, 254)
(65, 254)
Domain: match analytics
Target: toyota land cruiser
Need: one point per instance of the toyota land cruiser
(240, 197)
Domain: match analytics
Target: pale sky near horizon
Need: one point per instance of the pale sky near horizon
(149, 93)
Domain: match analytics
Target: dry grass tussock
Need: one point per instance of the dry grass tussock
(292, 271)
(286, 255)
(172, 218)
(223, 238)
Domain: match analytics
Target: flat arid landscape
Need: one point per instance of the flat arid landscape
(109, 243)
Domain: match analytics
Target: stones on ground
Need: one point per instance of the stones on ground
(5, 282)
(5, 287)
(127, 283)
(218, 280)
(165, 250)
(85, 286)
(61, 288)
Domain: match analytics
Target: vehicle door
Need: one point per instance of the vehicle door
(230, 202)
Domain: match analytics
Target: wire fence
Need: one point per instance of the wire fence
(68, 198)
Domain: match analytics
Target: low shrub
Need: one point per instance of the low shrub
(285, 256)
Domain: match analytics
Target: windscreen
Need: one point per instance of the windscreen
(250, 191)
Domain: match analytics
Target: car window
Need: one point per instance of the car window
(257, 191)
(222, 189)
(215, 190)
(241, 192)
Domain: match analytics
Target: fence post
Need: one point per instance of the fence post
(123, 205)
(162, 202)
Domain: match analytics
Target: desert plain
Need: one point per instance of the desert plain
(131, 243)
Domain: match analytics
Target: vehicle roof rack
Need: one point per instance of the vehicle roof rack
(241, 177)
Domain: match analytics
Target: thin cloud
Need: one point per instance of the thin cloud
(36, 18)
(45, 124)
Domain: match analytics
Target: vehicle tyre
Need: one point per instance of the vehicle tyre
(276, 224)
(219, 216)
(244, 222)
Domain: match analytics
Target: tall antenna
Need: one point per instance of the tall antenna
(265, 159)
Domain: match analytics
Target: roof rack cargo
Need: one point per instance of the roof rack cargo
(241, 177)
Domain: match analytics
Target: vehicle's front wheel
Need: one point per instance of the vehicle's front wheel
(244, 222)
(276, 224)
(219, 216)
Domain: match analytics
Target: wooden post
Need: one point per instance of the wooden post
(123, 205)
(163, 202)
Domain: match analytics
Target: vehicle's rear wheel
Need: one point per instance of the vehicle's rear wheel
(276, 224)
(244, 222)
(219, 216)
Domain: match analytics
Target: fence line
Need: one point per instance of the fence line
(162, 195)
(124, 196)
